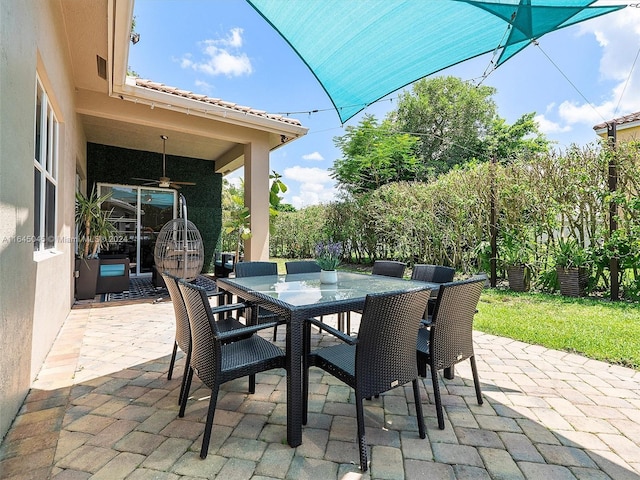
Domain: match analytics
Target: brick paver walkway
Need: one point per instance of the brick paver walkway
(102, 408)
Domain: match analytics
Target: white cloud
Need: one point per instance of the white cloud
(618, 34)
(573, 113)
(305, 174)
(236, 180)
(316, 186)
(221, 57)
(204, 86)
(548, 127)
(313, 156)
(308, 197)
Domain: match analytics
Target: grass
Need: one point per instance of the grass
(595, 328)
(602, 330)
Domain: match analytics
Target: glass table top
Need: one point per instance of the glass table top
(306, 289)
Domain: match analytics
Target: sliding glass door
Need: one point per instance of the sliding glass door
(138, 214)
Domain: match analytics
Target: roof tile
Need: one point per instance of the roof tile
(632, 117)
(161, 87)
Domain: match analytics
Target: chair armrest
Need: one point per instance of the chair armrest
(337, 333)
(228, 308)
(244, 331)
(219, 296)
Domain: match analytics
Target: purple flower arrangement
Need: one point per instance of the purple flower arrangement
(328, 255)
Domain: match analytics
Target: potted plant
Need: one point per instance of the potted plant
(94, 230)
(328, 257)
(572, 266)
(515, 256)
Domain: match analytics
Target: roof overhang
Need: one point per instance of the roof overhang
(627, 122)
(122, 111)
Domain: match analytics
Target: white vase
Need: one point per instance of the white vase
(328, 276)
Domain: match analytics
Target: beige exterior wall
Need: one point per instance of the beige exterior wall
(628, 134)
(624, 132)
(59, 40)
(256, 198)
(35, 293)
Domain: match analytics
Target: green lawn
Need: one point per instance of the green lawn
(598, 329)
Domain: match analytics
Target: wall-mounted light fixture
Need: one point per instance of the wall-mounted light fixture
(135, 37)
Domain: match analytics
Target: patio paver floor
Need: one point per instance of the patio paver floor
(102, 407)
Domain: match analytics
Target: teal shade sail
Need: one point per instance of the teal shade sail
(362, 50)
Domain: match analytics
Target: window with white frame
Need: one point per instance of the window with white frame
(45, 175)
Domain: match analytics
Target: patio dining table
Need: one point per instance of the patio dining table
(300, 296)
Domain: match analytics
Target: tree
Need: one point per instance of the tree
(451, 118)
(374, 155)
(440, 124)
(508, 142)
(236, 218)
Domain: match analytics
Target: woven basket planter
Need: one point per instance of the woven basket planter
(573, 281)
(518, 278)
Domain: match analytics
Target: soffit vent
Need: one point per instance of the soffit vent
(102, 67)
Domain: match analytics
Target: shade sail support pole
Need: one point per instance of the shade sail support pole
(493, 227)
(613, 208)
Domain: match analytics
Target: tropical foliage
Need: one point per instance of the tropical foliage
(236, 218)
(95, 228)
(542, 200)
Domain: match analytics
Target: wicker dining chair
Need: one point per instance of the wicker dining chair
(388, 268)
(183, 331)
(218, 357)
(450, 338)
(258, 269)
(381, 358)
(435, 274)
(301, 266)
(432, 273)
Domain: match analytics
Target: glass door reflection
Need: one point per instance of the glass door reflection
(157, 207)
(138, 214)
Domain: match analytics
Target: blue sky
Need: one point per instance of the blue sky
(577, 77)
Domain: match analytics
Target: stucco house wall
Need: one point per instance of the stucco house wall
(31, 311)
(79, 50)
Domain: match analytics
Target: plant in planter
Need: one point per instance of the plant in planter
(328, 257)
(515, 257)
(94, 231)
(573, 264)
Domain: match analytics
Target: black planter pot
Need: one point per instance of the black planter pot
(518, 278)
(86, 277)
(573, 281)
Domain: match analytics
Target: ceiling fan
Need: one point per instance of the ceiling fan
(163, 181)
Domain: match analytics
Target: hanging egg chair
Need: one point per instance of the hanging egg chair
(179, 249)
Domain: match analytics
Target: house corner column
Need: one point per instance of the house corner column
(256, 198)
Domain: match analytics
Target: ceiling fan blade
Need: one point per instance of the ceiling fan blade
(175, 185)
(184, 183)
(145, 179)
